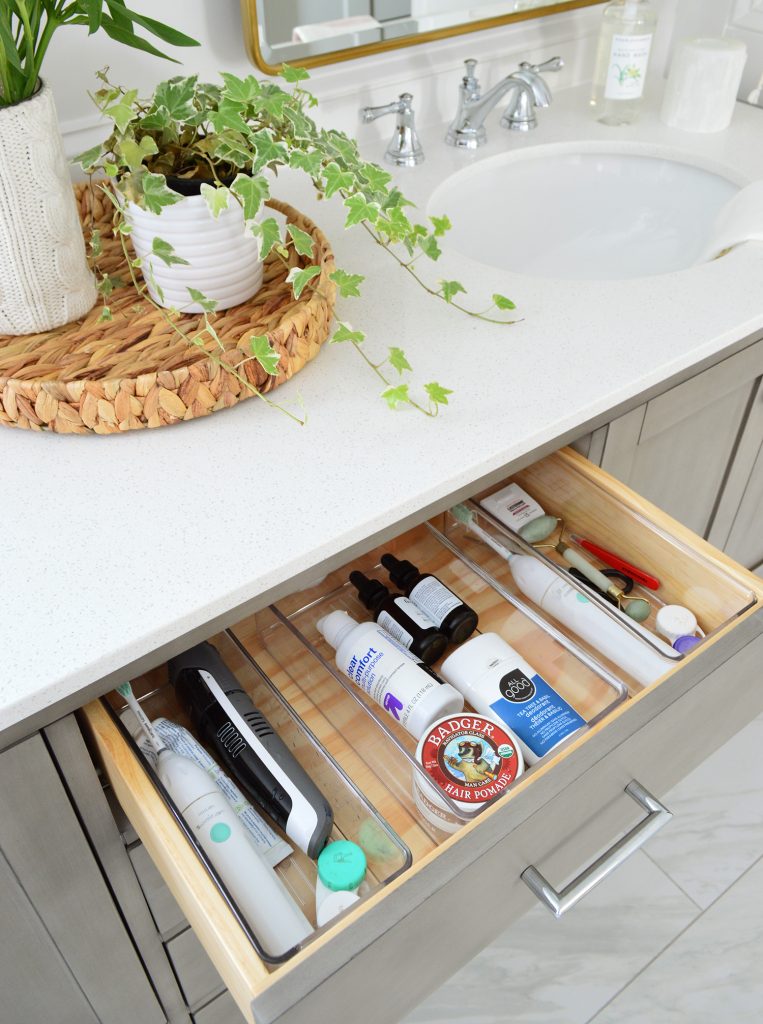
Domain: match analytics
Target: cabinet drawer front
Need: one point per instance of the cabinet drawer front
(373, 956)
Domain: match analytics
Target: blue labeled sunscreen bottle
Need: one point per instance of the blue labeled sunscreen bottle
(497, 681)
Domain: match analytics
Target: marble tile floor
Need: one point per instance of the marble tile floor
(674, 937)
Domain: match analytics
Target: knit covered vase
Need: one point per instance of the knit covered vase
(44, 277)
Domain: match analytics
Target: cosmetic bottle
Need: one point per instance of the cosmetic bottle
(391, 676)
(400, 617)
(341, 871)
(498, 682)
(622, 60)
(243, 741)
(448, 612)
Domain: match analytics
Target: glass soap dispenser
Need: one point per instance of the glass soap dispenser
(625, 42)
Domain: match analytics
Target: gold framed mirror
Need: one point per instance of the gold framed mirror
(314, 32)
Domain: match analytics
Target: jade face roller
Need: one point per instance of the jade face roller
(541, 528)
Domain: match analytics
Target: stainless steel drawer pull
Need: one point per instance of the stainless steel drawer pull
(560, 902)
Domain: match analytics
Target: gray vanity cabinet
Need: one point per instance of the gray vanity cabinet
(65, 954)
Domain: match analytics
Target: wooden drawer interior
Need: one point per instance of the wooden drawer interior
(375, 754)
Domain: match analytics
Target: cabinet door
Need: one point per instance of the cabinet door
(677, 448)
(78, 932)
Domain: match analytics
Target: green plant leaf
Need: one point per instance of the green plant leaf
(441, 225)
(134, 153)
(299, 278)
(310, 163)
(123, 111)
(264, 354)
(360, 210)
(303, 242)
(269, 233)
(156, 195)
(216, 198)
(501, 302)
(93, 10)
(105, 315)
(114, 30)
(292, 74)
(229, 115)
(395, 198)
(268, 150)
(241, 90)
(428, 245)
(252, 191)
(334, 179)
(272, 100)
(344, 332)
(89, 158)
(377, 178)
(437, 393)
(398, 361)
(176, 97)
(157, 28)
(208, 305)
(348, 284)
(166, 253)
(396, 396)
(450, 289)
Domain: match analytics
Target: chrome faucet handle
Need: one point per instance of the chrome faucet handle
(552, 64)
(531, 91)
(404, 149)
(470, 81)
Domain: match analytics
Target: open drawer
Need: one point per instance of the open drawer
(382, 957)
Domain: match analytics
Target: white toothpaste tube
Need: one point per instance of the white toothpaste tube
(271, 846)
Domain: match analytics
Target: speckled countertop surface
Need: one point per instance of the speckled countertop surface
(120, 550)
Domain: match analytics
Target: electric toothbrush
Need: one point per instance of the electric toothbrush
(567, 605)
(264, 900)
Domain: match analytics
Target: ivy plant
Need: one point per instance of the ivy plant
(226, 135)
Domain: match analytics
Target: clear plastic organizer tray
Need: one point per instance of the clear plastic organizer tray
(355, 818)
(375, 749)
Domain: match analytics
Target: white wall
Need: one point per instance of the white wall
(431, 71)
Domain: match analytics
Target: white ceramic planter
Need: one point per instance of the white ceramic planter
(223, 257)
(44, 277)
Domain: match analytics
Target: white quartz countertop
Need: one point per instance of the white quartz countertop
(120, 550)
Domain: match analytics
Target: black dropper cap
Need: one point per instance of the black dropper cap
(371, 592)
(401, 571)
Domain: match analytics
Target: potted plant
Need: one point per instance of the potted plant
(46, 281)
(205, 154)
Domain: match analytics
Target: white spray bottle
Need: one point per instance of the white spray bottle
(264, 900)
(573, 609)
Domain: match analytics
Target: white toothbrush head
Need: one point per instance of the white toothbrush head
(125, 690)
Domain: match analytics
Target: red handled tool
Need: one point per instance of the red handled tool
(615, 562)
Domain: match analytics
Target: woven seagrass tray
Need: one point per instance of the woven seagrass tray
(105, 377)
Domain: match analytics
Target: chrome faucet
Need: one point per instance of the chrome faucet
(404, 149)
(529, 90)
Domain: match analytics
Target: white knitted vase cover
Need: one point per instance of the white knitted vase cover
(44, 278)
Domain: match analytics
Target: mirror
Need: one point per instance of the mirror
(312, 32)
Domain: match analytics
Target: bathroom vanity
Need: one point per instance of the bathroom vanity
(123, 551)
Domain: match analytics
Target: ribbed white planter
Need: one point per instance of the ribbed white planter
(44, 278)
(223, 257)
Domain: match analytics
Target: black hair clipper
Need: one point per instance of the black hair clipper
(227, 721)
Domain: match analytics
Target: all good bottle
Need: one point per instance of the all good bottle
(456, 619)
(622, 60)
(498, 682)
(385, 670)
(400, 617)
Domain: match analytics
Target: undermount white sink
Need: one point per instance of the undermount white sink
(591, 214)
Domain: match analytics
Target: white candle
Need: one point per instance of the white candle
(703, 84)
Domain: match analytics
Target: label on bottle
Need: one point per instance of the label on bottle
(394, 629)
(434, 599)
(626, 71)
(406, 605)
(539, 716)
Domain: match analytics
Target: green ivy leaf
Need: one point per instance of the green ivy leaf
(134, 153)
(272, 100)
(176, 95)
(348, 284)
(441, 225)
(292, 74)
(166, 253)
(360, 210)
(437, 393)
(252, 192)
(240, 90)
(89, 158)
(299, 278)
(105, 315)
(264, 354)
(229, 116)
(216, 198)
(303, 242)
(268, 150)
(208, 305)
(395, 198)
(398, 361)
(344, 332)
(501, 302)
(310, 163)
(158, 120)
(269, 233)
(376, 177)
(396, 396)
(429, 246)
(122, 112)
(334, 179)
(450, 289)
(156, 195)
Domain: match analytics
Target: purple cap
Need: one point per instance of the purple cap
(683, 644)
